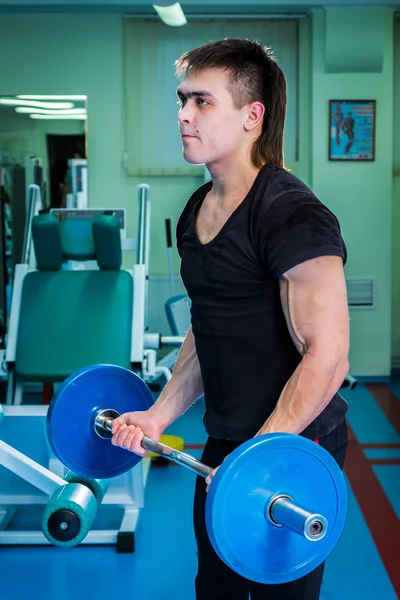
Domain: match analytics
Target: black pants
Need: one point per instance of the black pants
(215, 580)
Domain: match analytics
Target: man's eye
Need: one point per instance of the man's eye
(201, 101)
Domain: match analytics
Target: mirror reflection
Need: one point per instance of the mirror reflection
(43, 142)
(46, 131)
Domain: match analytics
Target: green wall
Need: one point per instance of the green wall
(84, 55)
(396, 205)
(359, 193)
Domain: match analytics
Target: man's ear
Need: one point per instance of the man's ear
(254, 115)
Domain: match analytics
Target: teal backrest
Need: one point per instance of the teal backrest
(73, 319)
(70, 319)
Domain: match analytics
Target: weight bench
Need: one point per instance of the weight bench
(63, 320)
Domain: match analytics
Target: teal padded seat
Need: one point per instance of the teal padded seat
(71, 319)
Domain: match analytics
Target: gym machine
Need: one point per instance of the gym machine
(31, 470)
(34, 472)
(145, 345)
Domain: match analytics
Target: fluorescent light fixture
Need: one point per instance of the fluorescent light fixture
(59, 117)
(172, 15)
(33, 103)
(45, 111)
(54, 97)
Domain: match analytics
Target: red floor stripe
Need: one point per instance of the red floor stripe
(378, 512)
(380, 446)
(388, 402)
(384, 461)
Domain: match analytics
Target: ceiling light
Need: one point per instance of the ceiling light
(172, 15)
(56, 97)
(59, 117)
(16, 102)
(45, 111)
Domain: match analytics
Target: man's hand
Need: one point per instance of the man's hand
(210, 478)
(129, 430)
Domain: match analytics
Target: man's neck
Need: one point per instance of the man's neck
(231, 183)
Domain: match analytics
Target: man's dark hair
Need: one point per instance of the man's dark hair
(255, 77)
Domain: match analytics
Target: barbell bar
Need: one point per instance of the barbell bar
(280, 510)
(275, 509)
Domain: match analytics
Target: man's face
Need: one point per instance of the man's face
(212, 128)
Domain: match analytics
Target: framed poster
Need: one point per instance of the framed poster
(352, 130)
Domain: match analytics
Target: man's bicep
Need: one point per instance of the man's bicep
(314, 301)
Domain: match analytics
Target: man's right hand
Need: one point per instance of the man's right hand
(129, 429)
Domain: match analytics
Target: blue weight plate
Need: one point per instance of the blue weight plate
(71, 414)
(246, 481)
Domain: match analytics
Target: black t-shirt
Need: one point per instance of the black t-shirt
(245, 352)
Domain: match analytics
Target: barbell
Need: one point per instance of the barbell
(275, 509)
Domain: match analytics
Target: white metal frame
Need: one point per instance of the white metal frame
(144, 345)
(125, 491)
(15, 387)
(137, 341)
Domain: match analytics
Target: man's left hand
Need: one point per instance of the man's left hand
(210, 478)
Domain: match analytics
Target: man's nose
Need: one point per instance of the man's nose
(186, 114)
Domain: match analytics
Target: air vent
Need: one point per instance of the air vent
(360, 293)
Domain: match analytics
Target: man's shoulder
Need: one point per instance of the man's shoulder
(280, 189)
(279, 181)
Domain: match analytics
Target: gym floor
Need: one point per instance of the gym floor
(364, 565)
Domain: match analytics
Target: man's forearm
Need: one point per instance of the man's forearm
(183, 389)
(308, 391)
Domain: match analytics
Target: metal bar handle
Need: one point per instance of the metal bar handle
(180, 458)
(280, 510)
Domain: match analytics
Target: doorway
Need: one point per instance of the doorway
(60, 148)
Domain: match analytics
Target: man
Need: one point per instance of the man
(262, 261)
(348, 128)
(338, 119)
